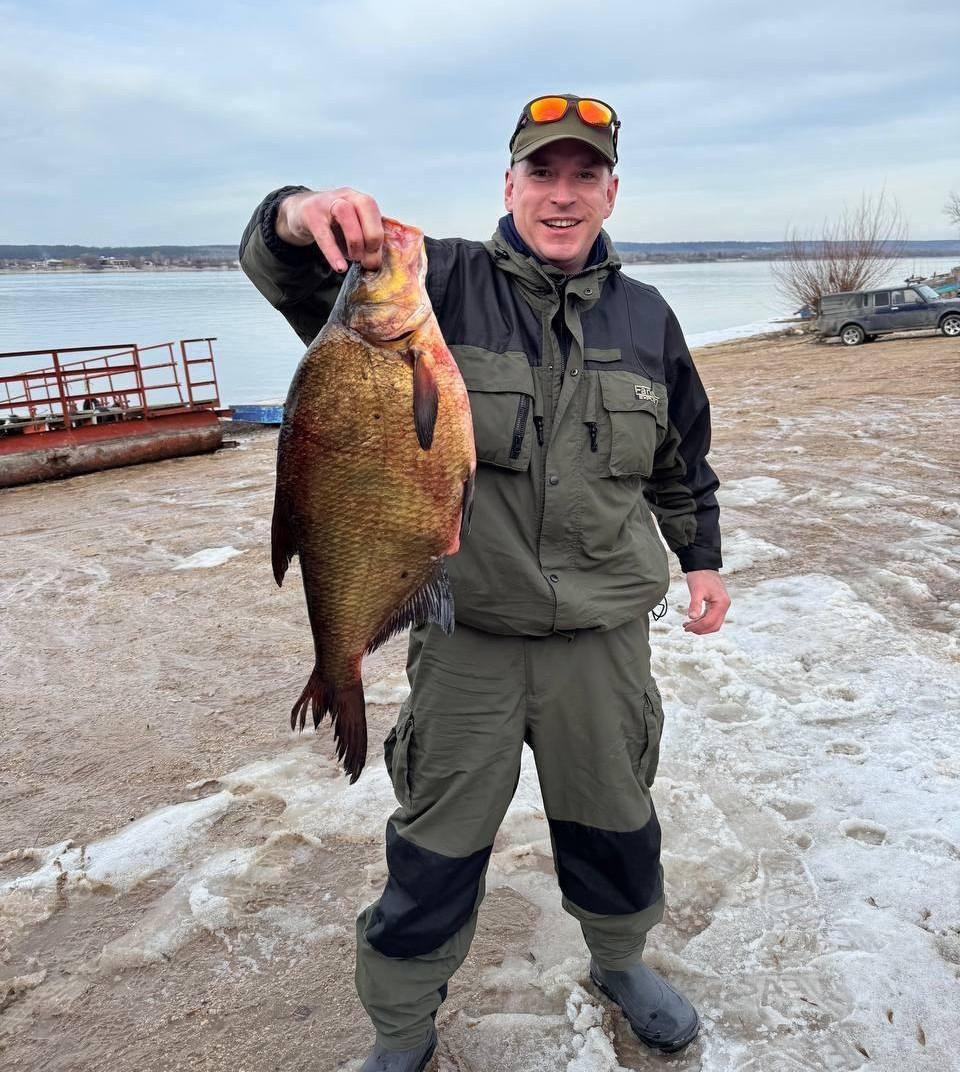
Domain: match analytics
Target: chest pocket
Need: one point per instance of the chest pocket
(630, 419)
(501, 404)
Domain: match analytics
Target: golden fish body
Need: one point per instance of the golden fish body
(375, 470)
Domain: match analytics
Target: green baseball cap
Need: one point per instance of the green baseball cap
(565, 115)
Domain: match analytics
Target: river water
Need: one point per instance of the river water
(256, 352)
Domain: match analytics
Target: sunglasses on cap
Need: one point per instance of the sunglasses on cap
(595, 113)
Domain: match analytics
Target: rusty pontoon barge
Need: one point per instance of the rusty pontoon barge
(115, 405)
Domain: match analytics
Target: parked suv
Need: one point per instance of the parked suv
(861, 315)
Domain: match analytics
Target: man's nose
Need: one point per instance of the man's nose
(563, 193)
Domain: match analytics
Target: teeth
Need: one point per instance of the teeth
(560, 223)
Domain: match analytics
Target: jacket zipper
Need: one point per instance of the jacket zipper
(520, 426)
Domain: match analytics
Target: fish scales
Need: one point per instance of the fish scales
(375, 471)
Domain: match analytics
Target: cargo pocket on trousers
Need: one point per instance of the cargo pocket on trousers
(653, 719)
(634, 417)
(396, 756)
(501, 393)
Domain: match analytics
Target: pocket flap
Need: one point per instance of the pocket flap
(629, 393)
(484, 370)
(591, 353)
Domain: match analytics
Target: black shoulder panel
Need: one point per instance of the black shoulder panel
(630, 310)
(475, 303)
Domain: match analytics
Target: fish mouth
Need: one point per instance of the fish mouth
(406, 328)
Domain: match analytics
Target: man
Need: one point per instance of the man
(587, 413)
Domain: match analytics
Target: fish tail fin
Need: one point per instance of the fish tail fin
(282, 544)
(347, 709)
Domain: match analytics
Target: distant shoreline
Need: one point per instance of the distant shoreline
(627, 258)
(157, 269)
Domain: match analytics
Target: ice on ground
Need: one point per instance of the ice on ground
(593, 1049)
(208, 558)
(116, 864)
(741, 551)
(392, 689)
(752, 491)
(832, 778)
(741, 331)
(317, 797)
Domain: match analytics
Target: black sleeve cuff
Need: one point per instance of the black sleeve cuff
(294, 256)
(698, 558)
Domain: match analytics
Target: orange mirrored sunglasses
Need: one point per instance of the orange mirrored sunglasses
(551, 109)
(594, 113)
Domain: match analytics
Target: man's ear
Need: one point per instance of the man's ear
(508, 189)
(613, 185)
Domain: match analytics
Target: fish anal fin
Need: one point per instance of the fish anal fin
(426, 396)
(283, 545)
(432, 602)
(347, 709)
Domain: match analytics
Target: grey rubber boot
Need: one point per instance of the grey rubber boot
(660, 1017)
(415, 1060)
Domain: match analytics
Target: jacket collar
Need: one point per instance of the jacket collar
(546, 279)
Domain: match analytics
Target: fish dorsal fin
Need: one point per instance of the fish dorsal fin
(433, 602)
(426, 396)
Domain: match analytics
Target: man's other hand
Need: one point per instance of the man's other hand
(344, 223)
(709, 602)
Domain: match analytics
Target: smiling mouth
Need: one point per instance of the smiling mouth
(560, 224)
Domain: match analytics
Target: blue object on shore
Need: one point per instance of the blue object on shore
(270, 412)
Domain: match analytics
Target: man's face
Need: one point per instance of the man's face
(559, 197)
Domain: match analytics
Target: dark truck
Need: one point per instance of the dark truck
(861, 315)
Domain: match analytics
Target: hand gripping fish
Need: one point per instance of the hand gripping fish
(375, 473)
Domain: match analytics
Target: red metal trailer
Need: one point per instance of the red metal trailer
(115, 405)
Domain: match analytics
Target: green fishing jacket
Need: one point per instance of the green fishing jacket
(589, 418)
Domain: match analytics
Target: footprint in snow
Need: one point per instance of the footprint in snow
(864, 831)
(733, 714)
(792, 808)
(928, 841)
(851, 749)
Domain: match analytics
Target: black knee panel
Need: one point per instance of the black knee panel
(609, 872)
(427, 899)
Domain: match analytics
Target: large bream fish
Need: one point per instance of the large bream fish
(375, 471)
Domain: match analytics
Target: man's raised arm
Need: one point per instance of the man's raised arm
(297, 244)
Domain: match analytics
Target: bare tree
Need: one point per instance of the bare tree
(952, 208)
(851, 253)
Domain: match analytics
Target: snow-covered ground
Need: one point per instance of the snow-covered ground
(809, 793)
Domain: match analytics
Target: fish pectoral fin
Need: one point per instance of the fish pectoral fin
(426, 396)
(283, 546)
(433, 602)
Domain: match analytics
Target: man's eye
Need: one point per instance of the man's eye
(540, 172)
(587, 176)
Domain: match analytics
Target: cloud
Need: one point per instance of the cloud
(167, 123)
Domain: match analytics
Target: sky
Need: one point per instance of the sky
(132, 124)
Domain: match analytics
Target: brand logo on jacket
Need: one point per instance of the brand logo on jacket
(644, 392)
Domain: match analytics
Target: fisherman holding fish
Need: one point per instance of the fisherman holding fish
(591, 429)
